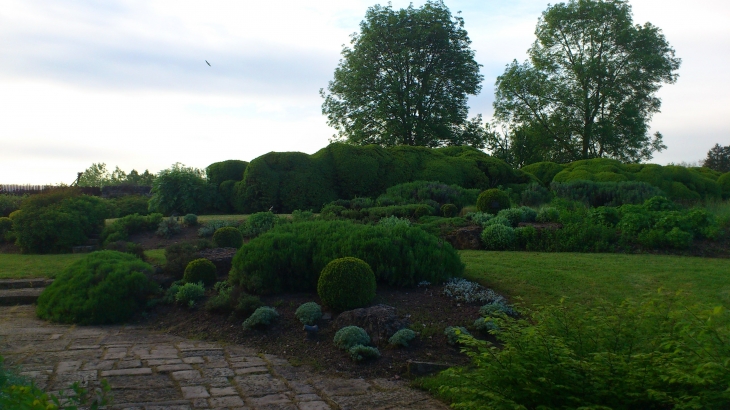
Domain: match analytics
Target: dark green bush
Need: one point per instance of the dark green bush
(104, 287)
(6, 225)
(58, 220)
(606, 193)
(308, 313)
(168, 228)
(498, 237)
(128, 205)
(258, 223)
(441, 226)
(200, 270)
(419, 192)
(290, 257)
(492, 201)
(246, 305)
(189, 293)
(544, 171)
(181, 190)
(228, 237)
(177, 257)
(222, 302)
(350, 336)
(402, 337)
(126, 247)
(120, 229)
(361, 353)
(513, 215)
(535, 194)
(421, 211)
(219, 172)
(547, 214)
(262, 317)
(346, 283)
(190, 220)
(10, 203)
(449, 210)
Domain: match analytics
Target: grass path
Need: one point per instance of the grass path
(17, 266)
(542, 278)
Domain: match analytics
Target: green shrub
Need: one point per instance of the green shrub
(228, 237)
(290, 257)
(393, 221)
(361, 353)
(679, 239)
(121, 228)
(653, 354)
(400, 211)
(181, 190)
(262, 317)
(724, 182)
(308, 313)
(435, 192)
(350, 336)
(495, 309)
(528, 214)
(6, 225)
(219, 172)
(422, 210)
(209, 228)
(190, 220)
(606, 193)
(498, 237)
(189, 293)
(171, 292)
(301, 216)
(449, 210)
(479, 218)
(346, 283)
(485, 325)
(402, 337)
(525, 236)
(535, 194)
(10, 203)
(548, 214)
(492, 201)
(246, 305)
(168, 228)
(222, 302)
(258, 223)
(498, 220)
(544, 171)
(177, 258)
(104, 287)
(128, 205)
(513, 215)
(453, 334)
(200, 270)
(126, 247)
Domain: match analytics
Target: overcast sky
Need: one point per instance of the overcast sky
(125, 82)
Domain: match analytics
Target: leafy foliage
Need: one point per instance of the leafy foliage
(200, 270)
(181, 190)
(428, 192)
(231, 170)
(308, 313)
(189, 293)
(350, 336)
(346, 283)
(105, 287)
(10, 203)
(228, 237)
(261, 317)
(168, 228)
(258, 223)
(453, 334)
(718, 158)
(498, 237)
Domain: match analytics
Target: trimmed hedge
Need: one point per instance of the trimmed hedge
(230, 170)
(104, 287)
(492, 201)
(200, 270)
(290, 257)
(606, 193)
(346, 283)
(228, 237)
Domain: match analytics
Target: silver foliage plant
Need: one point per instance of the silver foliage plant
(462, 290)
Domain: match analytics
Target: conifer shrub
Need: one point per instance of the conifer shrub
(228, 237)
(498, 237)
(308, 313)
(492, 201)
(258, 223)
(346, 283)
(402, 337)
(200, 270)
(290, 257)
(350, 336)
(104, 287)
(361, 353)
(262, 317)
(449, 210)
(190, 220)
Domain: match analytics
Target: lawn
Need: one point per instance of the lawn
(17, 266)
(543, 278)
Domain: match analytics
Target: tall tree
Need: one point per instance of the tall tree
(718, 158)
(589, 86)
(405, 81)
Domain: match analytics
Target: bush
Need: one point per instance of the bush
(246, 305)
(495, 309)
(528, 214)
(126, 247)
(231, 170)
(346, 283)
(449, 210)
(485, 325)
(422, 210)
(10, 203)
(535, 195)
(301, 216)
(200, 270)
(525, 236)
(606, 193)
(6, 225)
(290, 257)
(262, 317)
(393, 221)
(104, 287)
(361, 353)
(479, 218)
(190, 220)
(258, 223)
(209, 228)
(513, 215)
(308, 313)
(492, 201)
(189, 293)
(128, 205)
(228, 237)
(548, 214)
(351, 336)
(653, 354)
(453, 334)
(498, 220)
(419, 192)
(462, 290)
(402, 337)
(222, 302)
(498, 237)
(120, 229)
(177, 258)
(181, 190)
(168, 228)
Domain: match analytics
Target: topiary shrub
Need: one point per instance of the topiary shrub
(498, 237)
(449, 210)
(190, 220)
(421, 210)
(200, 270)
(361, 353)
(262, 317)
(453, 333)
(190, 293)
(492, 201)
(104, 287)
(402, 337)
(308, 313)
(350, 336)
(346, 283)
(228, 237)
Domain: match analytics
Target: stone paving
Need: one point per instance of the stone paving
(154, 371)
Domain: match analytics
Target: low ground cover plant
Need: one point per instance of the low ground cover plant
(309, 313)
(103, 288)
(402, 337)
(350, 336)
(291, 256)
(261, 318)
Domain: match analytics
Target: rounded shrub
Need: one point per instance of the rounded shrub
(228, 237)
(528, 214)
(449, 210)
(492, 201)
(402, 337)
(346, 283)
(261, 317)
(102, 288)
(361, 353)
(350, 336)
(308, 313)
(548, 214)
(421, 210)
(190, 220)
(498, 237)
(190, 293)
(200, 270)
(453, 333)
(513, 215)
(485, 325)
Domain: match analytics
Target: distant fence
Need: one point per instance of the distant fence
(27, 189)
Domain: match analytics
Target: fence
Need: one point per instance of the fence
(27, 189)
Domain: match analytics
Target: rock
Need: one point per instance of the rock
(222, 258)
(468, 237)
(380, 321)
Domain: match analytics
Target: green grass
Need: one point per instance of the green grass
(543, 278)
(17, 266)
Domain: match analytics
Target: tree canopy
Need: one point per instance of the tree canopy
(97, 175)
(406, 80)
(181, 190)
(589, 87)
(718, 158)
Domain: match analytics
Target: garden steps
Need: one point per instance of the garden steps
(21, 291)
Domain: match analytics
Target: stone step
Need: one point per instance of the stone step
(25, 296)
(25, 283)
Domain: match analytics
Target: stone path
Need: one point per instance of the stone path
(149, 370)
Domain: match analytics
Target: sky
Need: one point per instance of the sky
(125, 82)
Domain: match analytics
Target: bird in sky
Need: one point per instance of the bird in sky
(206, 61)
